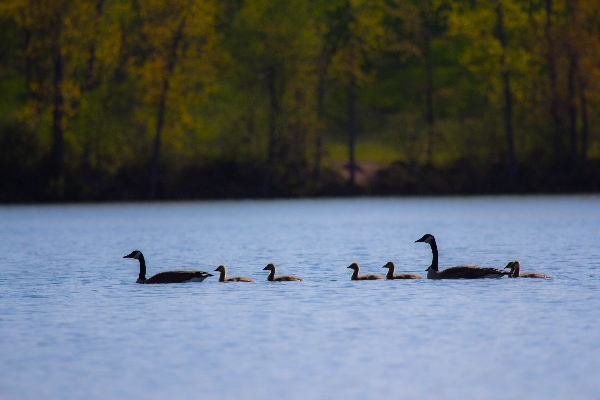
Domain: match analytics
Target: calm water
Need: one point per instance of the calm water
(74, 325)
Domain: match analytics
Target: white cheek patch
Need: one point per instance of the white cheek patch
(428, 240)
(137, 255)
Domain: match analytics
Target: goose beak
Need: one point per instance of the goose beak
(132, 254)
(427, 238)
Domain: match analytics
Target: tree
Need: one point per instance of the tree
(178, 36)
(53, 34)
(360, 39)
(497, 33)
(508, 113)
(275, 48)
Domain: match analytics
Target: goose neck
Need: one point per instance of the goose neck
(516, 271)
(271, 275)
(434, 251)
(390, 273)
(142, 276)
(354, 274)
(222, 275)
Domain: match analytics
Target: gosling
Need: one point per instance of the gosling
(369, 277)
(515, 271)
(222, 278)
(390, 274)
(282, 278)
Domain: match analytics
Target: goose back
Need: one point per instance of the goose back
(178, 277)
(470, 272)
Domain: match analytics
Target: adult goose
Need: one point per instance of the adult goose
(167, 276)
(390, 274)
(515, 271)
(356, 277)
(222, 278)
(461, 272)
(282, 278)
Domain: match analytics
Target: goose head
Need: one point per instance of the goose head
(427, 238)
(513, 266)
(354, 266)
(269, 267)
(134, 254)
(389, 264)
(220, 268)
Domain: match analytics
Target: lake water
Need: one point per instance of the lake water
(75, 325)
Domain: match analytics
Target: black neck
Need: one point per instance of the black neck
(271, 275)
(142, 275)
(390, 273)
(354, 275)
(222, 276)
(434, 250)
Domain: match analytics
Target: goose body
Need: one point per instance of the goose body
(222, 278)
(460, 272)
(167, 276)
(515, 271)
(282, 278)
(368, 277)
(390, 274)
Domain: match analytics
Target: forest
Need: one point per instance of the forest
(112, 100)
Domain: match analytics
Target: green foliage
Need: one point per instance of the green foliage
(249, 98)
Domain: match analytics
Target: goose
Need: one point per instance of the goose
(369, 277)
(167, 276)
(223, 271)
(461, 272)
(273, 278)
(390, 274)
(515, 271)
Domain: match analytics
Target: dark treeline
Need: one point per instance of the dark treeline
(180, 99)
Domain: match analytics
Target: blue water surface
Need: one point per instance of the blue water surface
(74, 324)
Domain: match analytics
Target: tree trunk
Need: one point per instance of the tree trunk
(89, 84)
(91, 62)
(162, 105)
(322, 70)
(508, 113)
(351, 121)
(429, 116)
(572, 108)
(554, 100)
(274, 111)
(584, 124)
(57, 109)
(160, 119)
